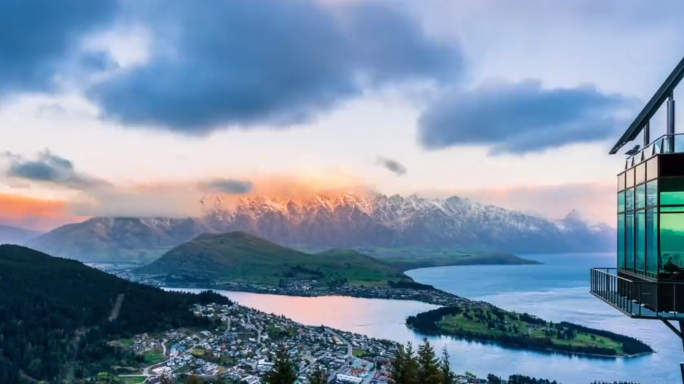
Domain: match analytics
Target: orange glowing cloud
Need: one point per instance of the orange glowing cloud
(183, 198)
(37, 214)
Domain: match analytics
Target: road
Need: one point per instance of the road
(249, 321)
(350, 349)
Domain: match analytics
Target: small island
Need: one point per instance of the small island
(242, 262)
(487, 323)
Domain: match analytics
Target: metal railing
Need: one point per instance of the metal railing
(673, 143)
(640, 299)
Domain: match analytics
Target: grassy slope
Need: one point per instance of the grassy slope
(240, 257)
(405, 259)
(450, 323)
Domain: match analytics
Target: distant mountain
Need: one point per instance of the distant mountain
(15, 235)
(120, 239)
(57, 316)
(241, 257)
(349, 221)
(335, 221)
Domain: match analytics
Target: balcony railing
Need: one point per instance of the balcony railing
(662, 145)
(639, 299)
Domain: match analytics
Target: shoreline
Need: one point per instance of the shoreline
(418, 296)
(533, 349)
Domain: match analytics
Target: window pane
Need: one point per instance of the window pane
(652, 169)
(640, 174)
(651, 241)
(629, 199)
(641, 196)
(640, 257)
(672, 191)
(671, 209)
(621, 182)
(629, 241)
(621, 240)
(652, 193)
(672, 238)
(629, 183)
(621, 201)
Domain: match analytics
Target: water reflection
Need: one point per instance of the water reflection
(556, 291)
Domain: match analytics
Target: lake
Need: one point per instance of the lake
(557, 291)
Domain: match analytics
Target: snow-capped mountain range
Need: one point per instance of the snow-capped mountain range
(350, 220)
(333, 221)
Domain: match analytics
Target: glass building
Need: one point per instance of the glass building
(650, 206)
(648, 280)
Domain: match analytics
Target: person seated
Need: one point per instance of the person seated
(670, 266)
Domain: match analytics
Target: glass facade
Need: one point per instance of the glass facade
(640, 243)
(640, 197)
(652, 193)
(650, 220)
(629, 240)
(621, 240)
(652, 169)
(672, 191)
(629, 199)
(652, 263)
(672, 238)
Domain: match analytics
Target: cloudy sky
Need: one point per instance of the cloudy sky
(123, 107)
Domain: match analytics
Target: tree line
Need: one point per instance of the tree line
(57, 316)
(495, 319)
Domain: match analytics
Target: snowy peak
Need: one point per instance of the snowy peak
(348, 220)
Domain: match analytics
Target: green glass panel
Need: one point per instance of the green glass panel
(640, 197)
(672, 238)
(629, 199)
(629, 241)
(671, 209)
(652, 193)
(621, 201)
(672, 191)
(621, 240)
(652, 241)
(640, 255)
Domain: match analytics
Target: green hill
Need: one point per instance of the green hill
(57, 315)
(241, 257)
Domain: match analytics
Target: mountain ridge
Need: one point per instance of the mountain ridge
(16, 235)
(333, 221)
(245, 258)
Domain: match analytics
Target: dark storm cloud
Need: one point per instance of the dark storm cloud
(37, 37)
(521, 118)
(391, 165)
(249, 62)
(50, 168)
(227, 186)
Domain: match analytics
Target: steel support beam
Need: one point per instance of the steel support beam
(671, 123)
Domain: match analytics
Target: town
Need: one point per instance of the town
(242, 347)
(295, 287)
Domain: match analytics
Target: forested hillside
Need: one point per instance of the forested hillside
(56, 316)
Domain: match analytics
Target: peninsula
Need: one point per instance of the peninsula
(241, 262)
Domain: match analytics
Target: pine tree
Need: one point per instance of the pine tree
(317, 376)
(398, 368)
(445, 368)
(412, 367)
(428, 364)
(283, 371)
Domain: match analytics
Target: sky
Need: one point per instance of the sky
(137, 108)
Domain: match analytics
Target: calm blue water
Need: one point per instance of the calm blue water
(557, 290)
